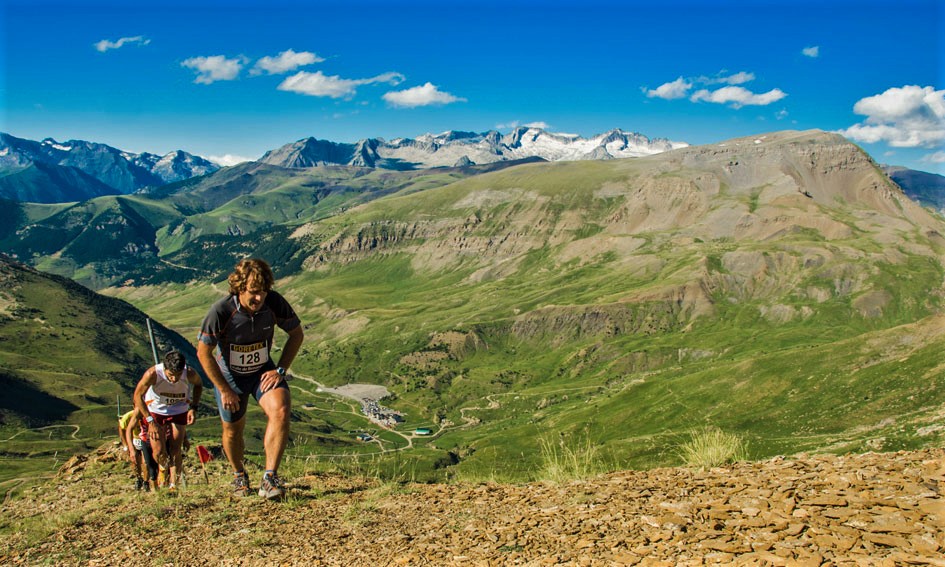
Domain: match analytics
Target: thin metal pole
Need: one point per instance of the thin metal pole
(151, 336)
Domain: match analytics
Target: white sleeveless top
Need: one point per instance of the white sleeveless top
(166, 397)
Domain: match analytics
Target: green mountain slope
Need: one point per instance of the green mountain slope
(67, 356)
(152, 237)
(47, 183)
(778, 287)
(635, 300)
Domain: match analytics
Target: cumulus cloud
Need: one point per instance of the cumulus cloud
(319, 84)
(424, 95)
(733, 95)
(516, 123)
(734, 79)
(669, 91)
(937, 157)
(904, 117)
(105, 45)
(227, 160)
(286, 61)
(215, 68)
(738, 78)
(738, 97)
(811, 51)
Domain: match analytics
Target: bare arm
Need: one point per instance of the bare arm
(291, 347)
(194, 380)
(271, 378)
(231, 402)
(148, 379)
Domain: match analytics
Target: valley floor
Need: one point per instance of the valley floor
(870, 509)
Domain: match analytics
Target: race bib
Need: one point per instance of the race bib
(172, 398)
(246, 359)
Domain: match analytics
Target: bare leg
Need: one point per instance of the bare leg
(133, 455)
(158, 444)
(277, 406)
(174, 450)
(233, 442)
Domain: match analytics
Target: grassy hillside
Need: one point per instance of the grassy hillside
(47, 183)
(164, 235)
(620, 305)
(67, 356)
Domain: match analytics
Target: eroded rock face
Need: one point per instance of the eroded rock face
(771, 219)
(871, 509)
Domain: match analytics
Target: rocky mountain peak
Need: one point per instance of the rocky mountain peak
(118, 171)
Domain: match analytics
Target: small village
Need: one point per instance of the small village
(383, 416)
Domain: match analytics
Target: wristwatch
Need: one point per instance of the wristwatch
(149, 419)
(281, 371)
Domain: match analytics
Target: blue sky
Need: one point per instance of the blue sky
(238, 78)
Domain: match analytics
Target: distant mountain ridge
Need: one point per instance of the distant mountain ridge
(49, 171)
(778, 286)
(927, 189)
(459, 149)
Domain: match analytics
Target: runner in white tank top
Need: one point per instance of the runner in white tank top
(166, 397)
(163, 397)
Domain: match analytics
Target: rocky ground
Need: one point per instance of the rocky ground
(872, 509)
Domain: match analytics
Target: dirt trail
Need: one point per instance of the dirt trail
(872, 509)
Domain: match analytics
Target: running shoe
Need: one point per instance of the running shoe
(272, 487)
(241, 484)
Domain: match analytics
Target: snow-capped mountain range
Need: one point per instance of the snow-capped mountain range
(102, 168)
(451, 149)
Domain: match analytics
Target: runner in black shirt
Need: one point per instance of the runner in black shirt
(234, 347)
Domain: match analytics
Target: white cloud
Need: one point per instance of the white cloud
(215, 68)
(286, 61)
(812, 51)
(105, 45)
(734, 95)
(229, 159)
(738, 96)
(904, 117)
(676, 89)
(737, 78)
(319, 84)
(937, 157)
(781, 114)
(516, 123)
(424, 95)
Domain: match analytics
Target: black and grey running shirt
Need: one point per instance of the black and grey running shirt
(243, 340)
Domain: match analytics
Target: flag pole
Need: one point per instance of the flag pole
(151, 337)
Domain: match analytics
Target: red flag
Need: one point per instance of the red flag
(203, 454)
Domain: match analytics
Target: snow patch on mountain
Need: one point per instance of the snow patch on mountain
(457, 148)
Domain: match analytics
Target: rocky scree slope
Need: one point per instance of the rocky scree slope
(876, 509)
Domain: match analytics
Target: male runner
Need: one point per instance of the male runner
(163, 397)
(234, 347)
